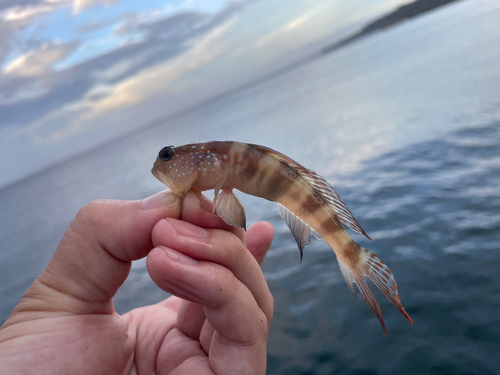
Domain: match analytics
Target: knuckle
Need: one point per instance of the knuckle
(229, 247)
(93, 214)
(91, 210)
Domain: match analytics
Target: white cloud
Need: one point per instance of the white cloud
(24, 14)
(79, 5)
(38, 62)
(104, 101)
(156, 79)
(288, 27)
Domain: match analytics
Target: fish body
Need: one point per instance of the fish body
(306, 201)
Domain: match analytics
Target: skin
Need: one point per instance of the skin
(217, 322)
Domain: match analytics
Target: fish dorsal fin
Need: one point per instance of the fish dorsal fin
(328, 192)
(230, 209)
(300, 230)
(321, 185)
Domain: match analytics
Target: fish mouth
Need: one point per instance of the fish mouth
(163, 179)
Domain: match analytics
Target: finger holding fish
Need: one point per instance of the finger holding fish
(204, 246)
(198, 210)
(227, 305)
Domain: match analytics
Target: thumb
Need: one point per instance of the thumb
(94, 257)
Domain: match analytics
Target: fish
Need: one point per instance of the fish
(308, 204)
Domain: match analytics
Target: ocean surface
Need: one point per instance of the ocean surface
(406, 125)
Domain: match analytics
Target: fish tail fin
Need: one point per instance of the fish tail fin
(368, 264)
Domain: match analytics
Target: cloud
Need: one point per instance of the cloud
(110, 90)
(6, 4)
(23, 15)
(111, 101)
(288, 27)
(16, 16)
(39, 62)
(79, 5)
(23, 86)
(20, 9)
(151, 81)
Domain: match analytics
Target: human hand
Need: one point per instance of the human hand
(218, 323)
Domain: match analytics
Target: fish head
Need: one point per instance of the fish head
(188, 167)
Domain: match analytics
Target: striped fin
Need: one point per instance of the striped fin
(322, 186)
(371, 266)
(383, 278)
(344, 214)
(300, 230)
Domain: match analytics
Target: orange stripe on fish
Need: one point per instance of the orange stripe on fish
(306, 201)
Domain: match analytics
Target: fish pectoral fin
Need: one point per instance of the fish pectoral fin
(301, 231)
(220, 183)
(230, 209)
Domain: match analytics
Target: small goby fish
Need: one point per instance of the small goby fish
(306, 201)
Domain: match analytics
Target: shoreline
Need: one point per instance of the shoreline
(389, 20)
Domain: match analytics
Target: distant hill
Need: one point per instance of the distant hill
(400, 14)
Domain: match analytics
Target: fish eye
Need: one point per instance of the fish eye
(166, 153)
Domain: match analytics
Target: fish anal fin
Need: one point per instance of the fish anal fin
(301, 231)
(349, 278)
(383, 278)
(230, 209)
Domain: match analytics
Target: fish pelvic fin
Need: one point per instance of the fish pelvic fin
(368, 264)
(230, 209)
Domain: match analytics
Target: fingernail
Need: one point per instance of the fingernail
(188, 230)
(178, 257)
(159, 200)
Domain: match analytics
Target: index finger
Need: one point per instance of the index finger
(197, 209)
(221, 248)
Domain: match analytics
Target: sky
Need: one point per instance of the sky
(78, 73)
